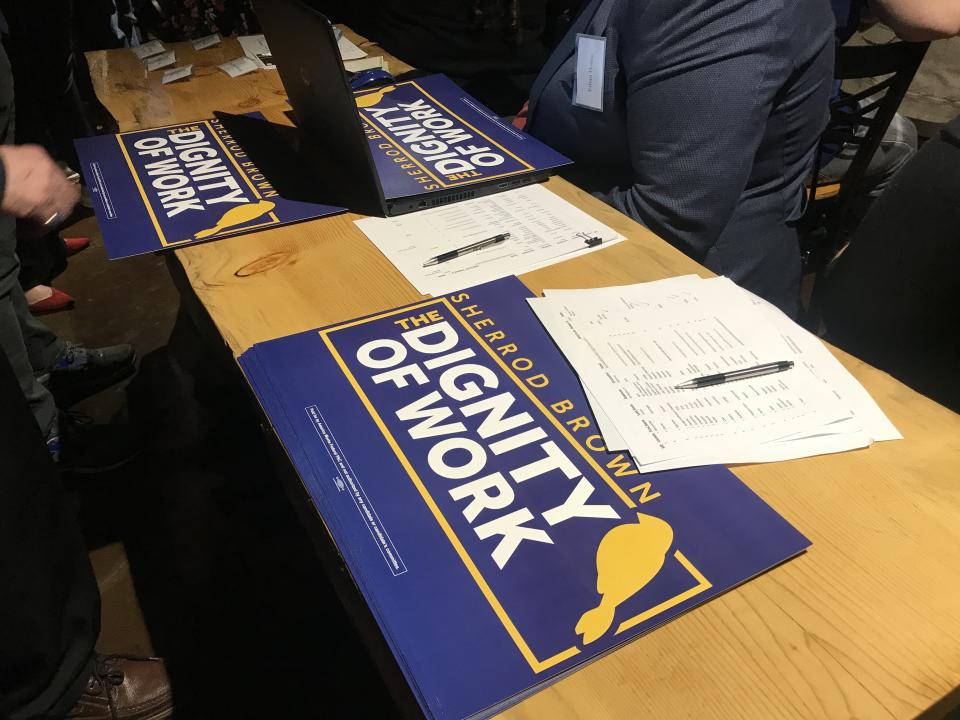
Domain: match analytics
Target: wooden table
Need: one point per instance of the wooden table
(866, 624)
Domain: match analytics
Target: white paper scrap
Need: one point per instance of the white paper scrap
(255, 47)
(176, 74)
(349, 51)
(161, 61)
(238, 66)
(206, 41)
(144, 51)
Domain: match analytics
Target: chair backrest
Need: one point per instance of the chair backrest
(871, 109)
(859, 120)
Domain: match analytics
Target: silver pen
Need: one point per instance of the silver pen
(472, 247)
(742, 374)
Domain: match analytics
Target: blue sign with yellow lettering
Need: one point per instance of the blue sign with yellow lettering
(428, 135)
(177, 185)
(449, 450)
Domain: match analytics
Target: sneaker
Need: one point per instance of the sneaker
(84, 447)
(81, 371)
(125, 688)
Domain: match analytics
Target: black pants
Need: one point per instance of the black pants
(41, 258)
(49, 603)
(893, 298)
(49, 111)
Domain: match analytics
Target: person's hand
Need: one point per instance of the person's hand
(35, 187)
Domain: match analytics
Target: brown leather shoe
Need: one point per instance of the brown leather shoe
(124, 688)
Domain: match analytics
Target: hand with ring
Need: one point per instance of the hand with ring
(35, 187)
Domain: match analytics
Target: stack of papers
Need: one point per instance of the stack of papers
(544, 229)
(632, 345)
(371, 62)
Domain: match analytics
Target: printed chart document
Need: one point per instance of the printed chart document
(498, 546)
(633, 345)
(544, 229)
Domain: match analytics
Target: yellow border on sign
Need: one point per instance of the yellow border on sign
(536, 664)
(526, 166)
(146, 200)
(702, 585)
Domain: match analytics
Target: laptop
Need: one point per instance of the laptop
(401, 147)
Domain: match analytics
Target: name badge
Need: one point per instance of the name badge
(588, 81)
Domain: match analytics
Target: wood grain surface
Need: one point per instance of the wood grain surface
(866, 624)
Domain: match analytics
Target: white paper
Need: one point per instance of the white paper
(367, 63)
(144, 51)
(769, 452)
(349, 51)
(206, 41)
(632, 344)
(819, 361)
(256, 49)
(176, 74)
(632, 350)
(543, 229)
(612, 439)
(238, 66)
(160, 61)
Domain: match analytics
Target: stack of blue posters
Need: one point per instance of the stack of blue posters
(427, 135)
(178, 185)
(449, 450)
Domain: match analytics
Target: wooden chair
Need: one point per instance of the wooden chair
(859, 120)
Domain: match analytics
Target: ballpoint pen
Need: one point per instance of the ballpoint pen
(743, 374)
(472, 247)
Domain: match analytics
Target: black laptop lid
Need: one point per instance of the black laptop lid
(305, 52)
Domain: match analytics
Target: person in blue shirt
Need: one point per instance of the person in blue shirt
(709, 116)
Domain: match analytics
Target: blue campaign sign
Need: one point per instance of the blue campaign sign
(428, 134)
(177, 185)
(450, 450)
